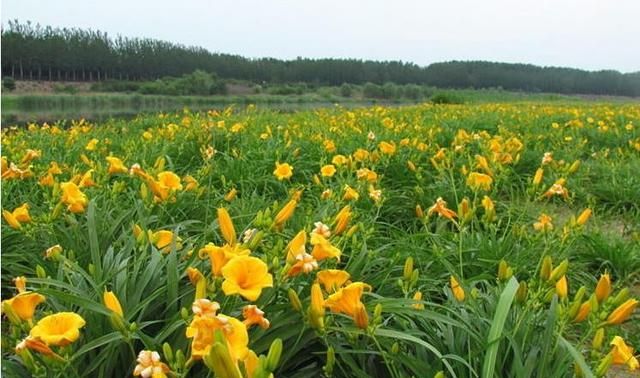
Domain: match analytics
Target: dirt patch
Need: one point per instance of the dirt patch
(38, 86)
(239, 89)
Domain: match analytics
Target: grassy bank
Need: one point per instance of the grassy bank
(50, 107)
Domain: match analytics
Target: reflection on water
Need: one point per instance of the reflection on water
(23, 112)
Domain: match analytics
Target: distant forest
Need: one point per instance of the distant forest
(34, 52)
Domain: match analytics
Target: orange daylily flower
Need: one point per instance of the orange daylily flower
(440, 208)
(253, 315)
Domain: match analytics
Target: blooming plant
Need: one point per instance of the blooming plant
(476, 240)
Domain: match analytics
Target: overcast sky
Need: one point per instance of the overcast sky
(588, 34)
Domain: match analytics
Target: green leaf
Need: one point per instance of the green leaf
(97, 343)
(94, 245)
(577, 356)
(495, 333)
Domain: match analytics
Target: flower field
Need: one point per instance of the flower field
(478, 240)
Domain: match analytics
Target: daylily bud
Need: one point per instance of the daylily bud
(419, 212)
(184, 313)
(593, 302)
(255, 240)
(117, 322)
(559, 271)
(583, 312)
(622, 296)
(545, 270)
(180, 358)
(458, 291)
(604, 365)
(395, 348)
(622, 312)
(40, 272)
(537, 178)
(504, 273)
(168, 352)
(316, 310)
(352, 230)
(226, 226)
(294, 300)
(112, 303)
(331, 360)
(584, 217)
(231, 195)
(439, 374)
(574, 167)
(521, 293)
(408, 268)
(577, 301)
(219, 360)
(598, 338)
(273, 357)
(603, 289)
(562, 288)
(414, 277)
(377, 311)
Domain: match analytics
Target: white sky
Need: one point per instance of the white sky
(588, 34)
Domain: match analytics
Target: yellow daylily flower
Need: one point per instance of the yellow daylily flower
(220, 256)
(332, 279)
(479, 181)
(24, 304)
(623, 354)
(116, 165)
(60, 329)
(73, 197)
(202, 330)
(170, 180)
(323, 249)
(247, 276)
(346, 300)
(163, 240)
(328, 170)
(283, 171)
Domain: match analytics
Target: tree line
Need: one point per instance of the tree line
(33, 52)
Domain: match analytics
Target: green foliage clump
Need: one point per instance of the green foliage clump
(446, 98)
(8, 83)
(197, 83)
